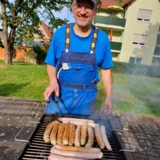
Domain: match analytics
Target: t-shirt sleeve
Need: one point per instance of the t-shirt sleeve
(50, 58)
(107, 59)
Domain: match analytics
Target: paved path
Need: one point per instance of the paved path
(143, 131)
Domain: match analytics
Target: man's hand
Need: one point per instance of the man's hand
(107, 108)
(50, 89)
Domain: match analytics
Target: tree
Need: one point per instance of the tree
(20, 19)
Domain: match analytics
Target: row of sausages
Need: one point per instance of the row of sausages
(77, 132)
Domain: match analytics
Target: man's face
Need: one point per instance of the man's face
(84, 12)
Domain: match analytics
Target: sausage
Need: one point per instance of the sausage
(59, 157)
(72, 134)
(90, 137)
(104, 138)
(77, 149)
(60, 133)
(53, 135)
(98, 137)
(84, 132)
(78, 136)
(79, 123)
(75, 119)
(85, 155)
(47, 132)
(66, 134)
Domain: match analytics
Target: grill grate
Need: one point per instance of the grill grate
(38, 150)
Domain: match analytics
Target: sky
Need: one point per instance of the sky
(65, 13)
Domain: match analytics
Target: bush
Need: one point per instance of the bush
(136, 69)
(41, 54)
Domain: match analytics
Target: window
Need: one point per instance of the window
(139, 39)
(157, 51)
(156, 61)
(158, 40)
(132, 60)
(135, 60)
(144, 15)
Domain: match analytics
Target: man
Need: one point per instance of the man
(76, 52)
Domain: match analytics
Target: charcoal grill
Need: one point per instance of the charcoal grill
(37, 149)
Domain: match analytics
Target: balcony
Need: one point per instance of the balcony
(116, 47)
(110, 22)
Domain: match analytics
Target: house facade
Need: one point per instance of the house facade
(134, 32)
(46, 32)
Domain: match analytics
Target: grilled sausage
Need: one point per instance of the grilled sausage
(53, 135)
(59, 157)
(47, 132)
(77, 149)
(90, 137)
(104, 138)
(72, 134)
(98, 137)
(75, 119)
(78, 136)
(66, 134)
(84, 132)
(79, 123)
(84, 155)
(60, 133)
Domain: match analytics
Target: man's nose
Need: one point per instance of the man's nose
(83, 10)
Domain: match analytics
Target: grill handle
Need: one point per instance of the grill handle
(120, 134)
(33, 123)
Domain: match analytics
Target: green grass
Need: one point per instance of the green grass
(23, 80)
(131, 93)
(1, 61)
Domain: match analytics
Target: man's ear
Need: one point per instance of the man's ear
(96, 9)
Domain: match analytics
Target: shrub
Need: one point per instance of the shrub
(41, 54)
(136, 69)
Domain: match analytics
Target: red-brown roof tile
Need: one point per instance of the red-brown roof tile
(47, 29)
(106, 3)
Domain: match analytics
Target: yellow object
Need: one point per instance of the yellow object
(95, 35)
(68, 30)
(93, 45)
(67, 41)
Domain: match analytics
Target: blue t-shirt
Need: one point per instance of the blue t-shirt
(80, 44)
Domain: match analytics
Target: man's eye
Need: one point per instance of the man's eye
(79, 5)
(90, 7)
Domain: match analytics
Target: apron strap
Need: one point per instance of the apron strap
(93, 45)
(67, 37)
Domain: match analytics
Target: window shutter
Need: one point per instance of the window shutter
(139, 38)
(144, 14)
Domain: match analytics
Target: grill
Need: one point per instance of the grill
(36, 149)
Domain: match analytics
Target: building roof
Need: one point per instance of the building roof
(47, 29)
(106, 3)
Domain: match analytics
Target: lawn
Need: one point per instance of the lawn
(139, 94)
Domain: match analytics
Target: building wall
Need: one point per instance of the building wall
(116, 35)
(38, 39)
(20, 54)
(148, 28)
(1, 53)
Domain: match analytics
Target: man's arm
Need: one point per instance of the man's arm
(107, 82)
(53, 83)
